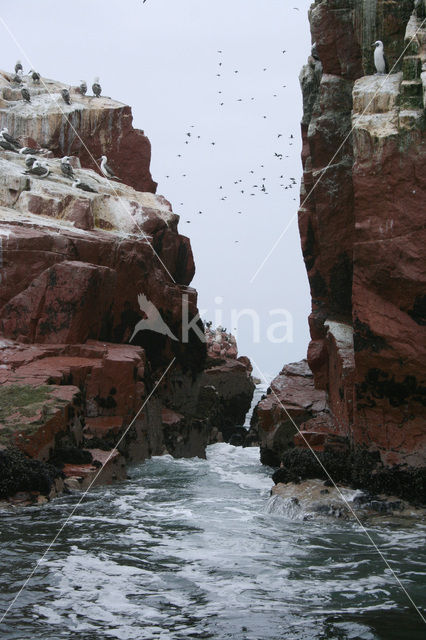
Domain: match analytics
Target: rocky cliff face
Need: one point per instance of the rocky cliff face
(362, 229)
(79, 270)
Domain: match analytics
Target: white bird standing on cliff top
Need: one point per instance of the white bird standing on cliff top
(66, 168)
(35, 76)
(106, 169)
(66, 96)
(380, 61)
(96, 88)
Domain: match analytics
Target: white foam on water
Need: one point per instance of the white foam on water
(199, 547)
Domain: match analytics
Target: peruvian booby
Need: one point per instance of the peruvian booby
(29, 161)
(24, 151)
(39, 169)
(17, 78)
(78, 184)
(35, 76)
(4, 133)
(106, 169)
(83, 87)
(66, 96)
(96, 88)
(4, 144)
(25, 95)
(66, 168)
(18, 66)
(314, 51)
(380, 61)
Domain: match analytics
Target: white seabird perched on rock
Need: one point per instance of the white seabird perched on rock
(4, 133)
(83, 87)
(66, 96)
(106, 169)
(4, 144)
(66, 168)
(35, 76)
(39, 169)
(24, 151)
(29, 161)
(17, 78)
(96, 88)
(25, 95)
(18, 66)
(78, 184)
(380, 61)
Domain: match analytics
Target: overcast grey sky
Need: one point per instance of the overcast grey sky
(169, 59)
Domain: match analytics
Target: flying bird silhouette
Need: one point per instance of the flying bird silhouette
(153, 320)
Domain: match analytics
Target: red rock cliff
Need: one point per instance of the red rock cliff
(74, 264)
(362, 227)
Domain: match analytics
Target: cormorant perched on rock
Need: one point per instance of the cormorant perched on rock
(66, 168)
(66, 96)
(106, 169)
(380, 61)
(25, 95)
(83, 87)
(18, 66)
(96, 88)
(78, 184)
(4, 133)
(35, 76)
(39, 169)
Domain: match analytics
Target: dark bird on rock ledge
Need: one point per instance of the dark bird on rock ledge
(6, 136)
(25, 95)
(83, 87)
(66, 168)
(78, 184)
(106, 169)
(35, 76)
(66, 96)
(380, 61)
(39, 169)
(18, 66)
(96, 88)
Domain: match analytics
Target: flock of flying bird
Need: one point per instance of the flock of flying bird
(40, 168)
